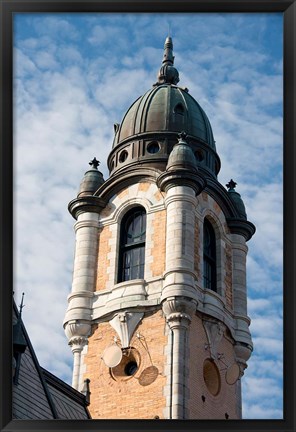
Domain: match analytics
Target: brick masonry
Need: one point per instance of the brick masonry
(137, 397)
(158, 251)
(103, 260)
(145, 395)
(209, 406)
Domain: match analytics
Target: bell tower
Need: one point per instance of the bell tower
(157, 316)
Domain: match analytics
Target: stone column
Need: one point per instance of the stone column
(77, 322)
(85, 267)
(77, 345)
(77, 333)
(178, 312)
(179, 274)
(243, 347)
(239, 254)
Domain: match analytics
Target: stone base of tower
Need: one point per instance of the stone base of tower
(115, 395)
(148, 393)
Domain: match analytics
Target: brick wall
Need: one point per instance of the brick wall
(158, 251)
(103, 260)
(227, 400)
(138, 397)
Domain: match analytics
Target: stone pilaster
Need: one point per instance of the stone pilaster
(77, 322)
(85, 267)
(77, 333)
(179, 274)
(77, 344)
(178, 312)
(243, 347)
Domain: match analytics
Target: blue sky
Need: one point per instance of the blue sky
(75, 75)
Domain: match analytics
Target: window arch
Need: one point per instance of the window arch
(132, 245)
(209, 256)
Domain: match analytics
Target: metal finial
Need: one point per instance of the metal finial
(168, 73)
(168, 51)
(22, 304)
(94, 163)
(231, 185)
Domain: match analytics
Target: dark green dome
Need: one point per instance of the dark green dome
(166, 108)
(91, 181)
(181, 156)
(150, 127)
(236, 199)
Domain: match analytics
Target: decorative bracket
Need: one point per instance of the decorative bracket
(214, 331)
(125, 323)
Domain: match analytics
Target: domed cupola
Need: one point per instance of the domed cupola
(181, 157)
(149, 129)
(236, 199)
(92, 180)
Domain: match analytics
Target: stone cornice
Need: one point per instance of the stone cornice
(181, 177)
(241, 227)
(86, 204)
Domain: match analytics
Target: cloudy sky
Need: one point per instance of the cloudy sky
(75, 75)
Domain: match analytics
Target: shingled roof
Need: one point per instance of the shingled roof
(37, 393)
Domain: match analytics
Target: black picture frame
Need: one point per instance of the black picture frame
(8, 8)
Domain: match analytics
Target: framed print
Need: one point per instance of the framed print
(148, 207)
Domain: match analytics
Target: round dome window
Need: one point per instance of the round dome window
(123, 156)
(153, 147)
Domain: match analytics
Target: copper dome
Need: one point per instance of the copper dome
(150, 127)
(166, 108)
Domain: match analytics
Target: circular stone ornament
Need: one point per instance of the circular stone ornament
(112, 356)
(232, 374)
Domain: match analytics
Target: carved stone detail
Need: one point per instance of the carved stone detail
(77, 343)
(75, 328)
(242, 353)
(179, 311)
(214, 331)
(77, 333)
(125, 323)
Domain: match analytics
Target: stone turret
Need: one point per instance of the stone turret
(157, 317)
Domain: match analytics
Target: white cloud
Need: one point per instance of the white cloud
(268, 325)
(271, 346)
(54, 26)
(46, 60)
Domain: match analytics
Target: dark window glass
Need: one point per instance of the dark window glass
(209, 256)
(132, 245)
(179, 109)
(153, 148)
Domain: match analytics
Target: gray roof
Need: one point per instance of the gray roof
(40, 395)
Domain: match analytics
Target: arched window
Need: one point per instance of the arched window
(132, 245)
(179, 109)
(209, 256)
